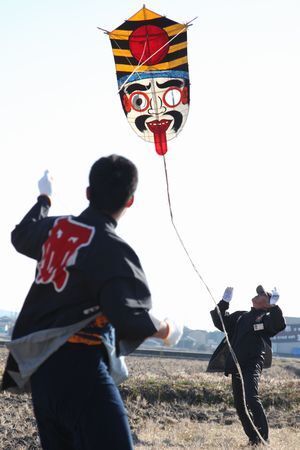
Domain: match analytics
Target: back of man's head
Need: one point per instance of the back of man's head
(113, 180)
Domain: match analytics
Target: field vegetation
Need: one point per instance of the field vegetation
(175, 404)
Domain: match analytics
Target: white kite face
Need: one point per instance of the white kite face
(156, 108)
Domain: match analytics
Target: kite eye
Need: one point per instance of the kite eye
(139, 101)
(172, 97)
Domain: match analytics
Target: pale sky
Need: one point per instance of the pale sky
(233, 170)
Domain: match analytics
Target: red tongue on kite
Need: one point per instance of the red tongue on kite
(160, 143)
(159, 128)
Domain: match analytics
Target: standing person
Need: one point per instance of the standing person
(249, 333)
(89, 304)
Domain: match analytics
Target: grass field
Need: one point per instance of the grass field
(174, 404)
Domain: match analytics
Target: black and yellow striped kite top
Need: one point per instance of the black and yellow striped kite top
(148, 44)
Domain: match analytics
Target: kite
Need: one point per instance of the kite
(150, 53)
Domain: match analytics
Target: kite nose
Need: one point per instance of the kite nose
(156, 106)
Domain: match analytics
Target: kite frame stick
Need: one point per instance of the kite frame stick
(127, 57)
(104, 31)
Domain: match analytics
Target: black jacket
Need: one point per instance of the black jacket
(83, 269)
(249, 333)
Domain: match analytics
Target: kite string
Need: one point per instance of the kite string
(116, 42)
(181, 240)
(212, 297)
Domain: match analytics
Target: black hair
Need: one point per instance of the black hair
(113, 180)
(261, 291)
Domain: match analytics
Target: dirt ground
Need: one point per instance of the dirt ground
(175, 404)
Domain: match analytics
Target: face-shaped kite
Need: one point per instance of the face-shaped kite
(150, 54)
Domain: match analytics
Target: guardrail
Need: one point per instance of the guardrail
(177, 354)
(162, 353)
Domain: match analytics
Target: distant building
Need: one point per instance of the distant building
(287, 342)
(213, 339)
(6, 326)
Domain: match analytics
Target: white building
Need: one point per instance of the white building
(287, 342)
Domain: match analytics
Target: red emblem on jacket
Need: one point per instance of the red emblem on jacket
(60, 251)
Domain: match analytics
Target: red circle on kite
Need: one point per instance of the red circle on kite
(149, 44)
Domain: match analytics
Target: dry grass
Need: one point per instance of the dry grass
(190, 435)
(174, 404)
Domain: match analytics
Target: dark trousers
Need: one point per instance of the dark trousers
(77, 404)
(251, 376)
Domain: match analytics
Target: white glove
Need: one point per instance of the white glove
(274, 297)
(175, 333)
(45, 184)
(227, 296)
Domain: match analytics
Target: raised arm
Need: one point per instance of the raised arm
(229, 320)
(30, 233)
(274, 322)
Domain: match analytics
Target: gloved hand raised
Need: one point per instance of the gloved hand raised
(45, 184)
(175, 331)
(274, 297)
(227, 296)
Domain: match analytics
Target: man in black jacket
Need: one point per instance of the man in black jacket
(88, 305)
(249, 333)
